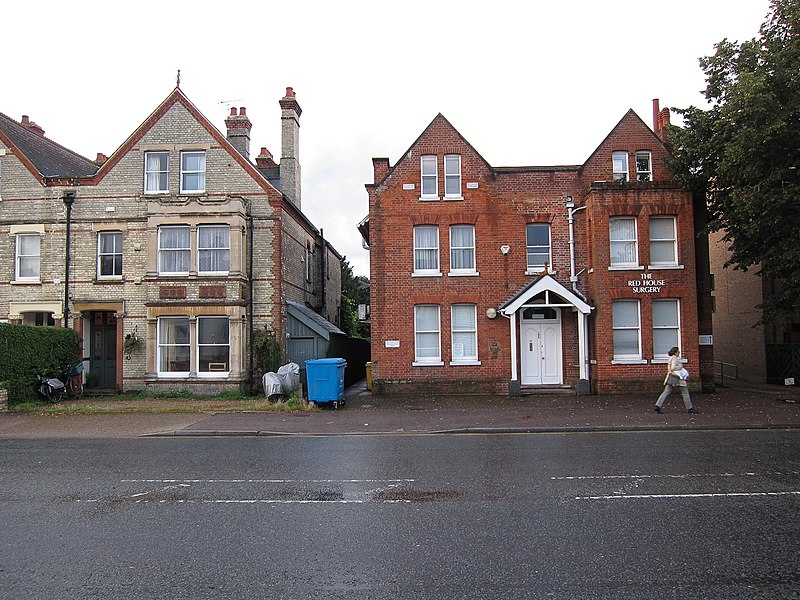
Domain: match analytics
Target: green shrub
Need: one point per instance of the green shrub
(26, 352)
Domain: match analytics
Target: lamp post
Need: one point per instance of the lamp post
(69, 199)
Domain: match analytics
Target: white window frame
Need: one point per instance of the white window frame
(425, 162)
(161, 175)
(468, 250)
(673, 241)
(452, 176)
(200, 173)
(627, 241)
(19, 257)
(115, 251)
(199, 345)
(418, 331)
(221, 250)
(426, 272)
(619, 165)
(162, 250)
(644, 174)
(531, 269)
(162, 347)
(676, 327)
(627, 358)
(461, 358)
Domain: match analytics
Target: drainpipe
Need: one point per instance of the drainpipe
(572, 276)
(583, 350)
(69, 199)
(251, 329)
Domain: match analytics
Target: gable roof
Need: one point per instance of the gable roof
(178, 97)
(631, 114)
(544, 283)
(407, 153)
(42, 156)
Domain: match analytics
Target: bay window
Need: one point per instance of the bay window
(213, 249)
(173, 250)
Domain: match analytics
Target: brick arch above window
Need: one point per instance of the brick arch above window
(416, 219)
(539, 217)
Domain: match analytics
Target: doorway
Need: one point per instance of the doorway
(540, 351)
(102, 336)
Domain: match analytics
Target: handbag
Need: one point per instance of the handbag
(672, 379)
(683, 374)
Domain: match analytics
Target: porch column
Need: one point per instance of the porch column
(512, 319)
(583, 360)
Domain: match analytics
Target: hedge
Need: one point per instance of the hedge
(27, 352)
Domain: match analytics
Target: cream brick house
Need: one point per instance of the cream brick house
(180, 248)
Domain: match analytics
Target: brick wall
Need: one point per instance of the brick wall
(499, 202)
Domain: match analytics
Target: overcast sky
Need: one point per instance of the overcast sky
(525, 82)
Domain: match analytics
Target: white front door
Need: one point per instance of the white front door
(541, 352)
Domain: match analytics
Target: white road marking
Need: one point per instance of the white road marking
(673, 496)
(267, 480)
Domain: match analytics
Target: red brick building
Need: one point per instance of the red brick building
(508, 279)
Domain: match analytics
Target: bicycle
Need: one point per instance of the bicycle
(71, 376)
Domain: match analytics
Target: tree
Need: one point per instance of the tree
(742, 155)
(355, 291)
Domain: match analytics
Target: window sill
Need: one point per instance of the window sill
(453, 198)
(463, 274)
(626, 268)
(465, 363)
(429, 198)
(540, 271)
(148, 193)
(181, 375)
(427, 364)
(628, 361)
(25, 282)
(426, 274)
(665, 267)
(111, 280)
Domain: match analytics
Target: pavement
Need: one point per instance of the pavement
(741, 407)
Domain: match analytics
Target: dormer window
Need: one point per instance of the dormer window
(430, 179)
(620, 165)
(644, 166)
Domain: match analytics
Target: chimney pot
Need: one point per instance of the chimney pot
(289, 92)
(242, 111)
(233, 111)
(25, 119)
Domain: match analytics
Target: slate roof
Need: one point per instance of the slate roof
(320, 321)
(49, 158)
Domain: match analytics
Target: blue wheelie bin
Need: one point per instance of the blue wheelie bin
(325, 377)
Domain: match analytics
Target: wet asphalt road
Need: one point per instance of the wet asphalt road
(601, 515)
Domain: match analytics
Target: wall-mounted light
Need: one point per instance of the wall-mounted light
(491, 312)
(570, 202)
(505, 249)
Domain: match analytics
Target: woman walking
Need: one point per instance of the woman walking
(674, 379)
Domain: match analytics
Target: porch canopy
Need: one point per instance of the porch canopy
(547, 292)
